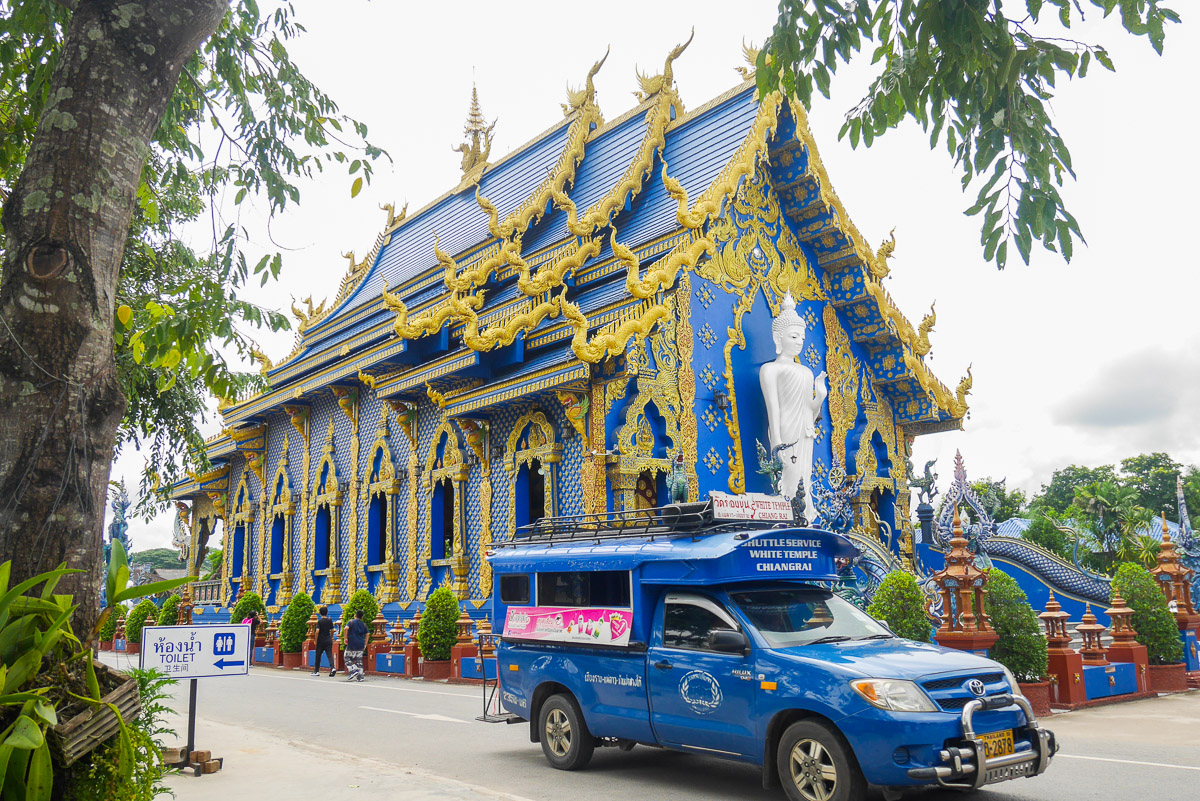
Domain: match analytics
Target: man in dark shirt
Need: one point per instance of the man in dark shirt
(324, 642)
(356, 643)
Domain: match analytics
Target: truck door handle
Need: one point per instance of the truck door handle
(663, 665)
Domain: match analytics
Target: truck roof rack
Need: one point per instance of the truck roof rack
(674, 520)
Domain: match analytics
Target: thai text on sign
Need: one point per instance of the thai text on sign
(197, 652)
(751, 506)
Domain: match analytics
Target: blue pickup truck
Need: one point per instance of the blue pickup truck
(675, 629)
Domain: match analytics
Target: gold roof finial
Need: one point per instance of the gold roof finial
(652, 85)
(750, 53)
(478, 146)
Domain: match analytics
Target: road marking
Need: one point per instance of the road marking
(1131, 762)
(413, 714)
(377, 685)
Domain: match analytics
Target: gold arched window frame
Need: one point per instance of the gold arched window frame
(547, 451)
(281, 504)
(452, 465)
(383, 482)
(327, 493)
(243, 515)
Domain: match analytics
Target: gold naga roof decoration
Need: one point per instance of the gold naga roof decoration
(663, 111)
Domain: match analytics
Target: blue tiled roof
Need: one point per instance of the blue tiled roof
(1013, 527)
(458, 220)
(696, 151)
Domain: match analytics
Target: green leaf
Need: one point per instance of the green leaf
(151, 588)
(89, 675)
(25, 734)
(356, 187)
(40, 778)
(45, 711)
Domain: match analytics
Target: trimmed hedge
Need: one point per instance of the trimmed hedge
(364, 600)
(1152, 619)
(1021, 647)
(168, 613)
(293, 626)
(900, 603)
(437, 632)
(250, 602)
(135, 621)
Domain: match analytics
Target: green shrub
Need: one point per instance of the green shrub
(1021, 647)
(1152, 619)
(109, 630)
(168, 613)
(250, 602)
(99, 776)
(101, 779)
(899, 603)
(137, 618)
(293, 627)
(362, 599)
(437, 632)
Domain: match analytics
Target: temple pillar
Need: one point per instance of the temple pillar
(1064, 664)
(962, 584)
(1125, 647)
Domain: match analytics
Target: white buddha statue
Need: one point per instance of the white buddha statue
(793, 399)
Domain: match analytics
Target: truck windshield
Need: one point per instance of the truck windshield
(799, 616)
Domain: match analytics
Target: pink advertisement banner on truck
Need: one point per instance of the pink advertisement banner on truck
(591, 625)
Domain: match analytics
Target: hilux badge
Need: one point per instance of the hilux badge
(976, 687)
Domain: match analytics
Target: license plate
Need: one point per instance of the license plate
(998, 743)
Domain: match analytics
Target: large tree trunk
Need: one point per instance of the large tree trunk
(66, 223)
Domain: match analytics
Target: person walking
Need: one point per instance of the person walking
(324, 643)
(356, 644)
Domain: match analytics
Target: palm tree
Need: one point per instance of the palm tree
(1114, 514)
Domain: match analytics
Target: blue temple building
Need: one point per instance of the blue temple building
(549, 337)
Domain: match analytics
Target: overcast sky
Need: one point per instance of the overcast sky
(1084, 363)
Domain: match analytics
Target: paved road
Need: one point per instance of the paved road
(1116, 752)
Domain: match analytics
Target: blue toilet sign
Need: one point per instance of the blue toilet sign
(223, 644)
(197, 652)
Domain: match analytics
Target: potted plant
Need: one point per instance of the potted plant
(437, 633)
(293, 629)
(168, 613)
(1155, 626)
(899, 603)
(248, 604)
(135, 621)
(1020, 646)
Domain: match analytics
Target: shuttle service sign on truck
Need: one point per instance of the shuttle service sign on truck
(197, 652)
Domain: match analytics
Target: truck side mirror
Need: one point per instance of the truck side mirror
(728, 641)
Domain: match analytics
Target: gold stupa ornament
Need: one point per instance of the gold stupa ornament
(478, 147)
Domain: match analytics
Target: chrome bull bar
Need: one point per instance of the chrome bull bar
(968, 764)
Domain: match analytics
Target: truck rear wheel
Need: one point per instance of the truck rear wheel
(566, 742)
(816, 764)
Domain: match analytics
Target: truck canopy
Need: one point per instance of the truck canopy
(681, 545)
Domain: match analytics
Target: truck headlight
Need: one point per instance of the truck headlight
(894, 695)
(1013, 687)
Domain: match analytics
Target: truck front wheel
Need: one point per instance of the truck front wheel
(816, 764)
(566, 742)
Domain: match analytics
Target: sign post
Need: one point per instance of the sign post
(196, 652)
